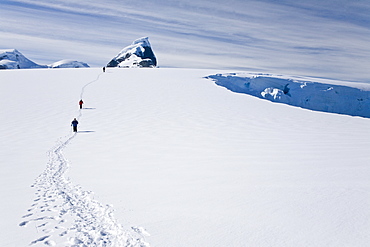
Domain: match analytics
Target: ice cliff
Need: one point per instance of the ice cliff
(327, 95)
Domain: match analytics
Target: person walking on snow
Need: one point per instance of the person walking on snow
(80, 103)
(74, 124)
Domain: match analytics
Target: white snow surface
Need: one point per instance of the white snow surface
(165, 157)
(68, 63)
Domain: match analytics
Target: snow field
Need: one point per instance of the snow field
(191, 162)
(64, 214)
(222, 168)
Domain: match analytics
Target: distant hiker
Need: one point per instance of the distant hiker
(103, 69)
(80, 103)
(74, 124)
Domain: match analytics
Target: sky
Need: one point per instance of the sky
(326, 39)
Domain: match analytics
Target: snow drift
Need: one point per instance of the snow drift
(138, 54)
(326, 96)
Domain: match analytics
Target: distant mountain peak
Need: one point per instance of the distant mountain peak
(67, 63)
(13, 59)
(138, 54)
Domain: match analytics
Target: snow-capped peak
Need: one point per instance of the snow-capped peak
(144, 41)
(138, 54)
(13, 59)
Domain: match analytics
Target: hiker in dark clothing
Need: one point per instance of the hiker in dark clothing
(80, 103)
(74, 124)
(103, 69)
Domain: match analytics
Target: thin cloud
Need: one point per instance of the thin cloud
(281, 37)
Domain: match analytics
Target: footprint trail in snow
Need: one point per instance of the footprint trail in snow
(64, 214)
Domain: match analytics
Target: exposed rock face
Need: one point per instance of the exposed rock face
(138, 54)
(13, 59)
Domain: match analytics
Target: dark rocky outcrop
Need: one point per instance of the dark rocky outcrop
(138, 54)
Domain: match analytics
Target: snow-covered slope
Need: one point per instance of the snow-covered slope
(13, 59)
(178, 158)
(138, 54)
(67, 63)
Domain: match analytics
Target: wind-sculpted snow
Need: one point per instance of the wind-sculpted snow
(66, 215)
(307, 94)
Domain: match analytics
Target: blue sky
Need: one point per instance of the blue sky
(310, 37)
